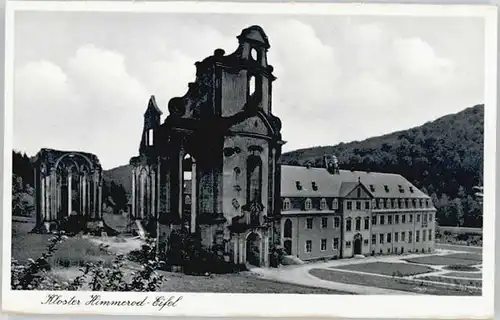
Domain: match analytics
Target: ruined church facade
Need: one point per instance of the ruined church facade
(223, 134)
(67, 184)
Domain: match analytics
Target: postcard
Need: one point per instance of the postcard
(249, 159)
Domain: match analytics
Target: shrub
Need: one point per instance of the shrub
(33, 274)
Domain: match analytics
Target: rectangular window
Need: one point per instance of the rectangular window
(349, 205)
(348, 244)
(358, 205)
(367, 223)
(403, 236)
(424, 235)
(348, 224)
(417, 236)
(309, 223)
(386, 204)
(367, 205)
(324, 222)
(365, 242)
(381, 238)
(430, 217)
(374, 220)
(374, 239)
(410, 237)
(396, 219)
(424, 218)
(411, 218)
(323, 244)
(358, 224)
(389, 237)
(393, 203)
(418, 218)
(335, 243)
(396, 236)
(150, 137)
(309, 245)
(336, 222)
(382, 218)
(430, 234)
(389, 219)
(403, 218)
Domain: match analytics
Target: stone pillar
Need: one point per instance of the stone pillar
(46, 195)
(152, 194)
(53, 195)
(193, 195)
(94, 198)
(241, 240)
(180, 198)
(43, 210)
(266, 250)
(84, 195)
(133, 195)
(99, 209)
(70, 188)
(141, 203)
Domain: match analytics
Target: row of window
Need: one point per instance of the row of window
(401, 237)
(426, 217)
(384, 238)
(366, 223)
(365, 205)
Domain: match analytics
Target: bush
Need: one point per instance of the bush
(96, 276)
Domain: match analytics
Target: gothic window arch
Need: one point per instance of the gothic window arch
(254, 179)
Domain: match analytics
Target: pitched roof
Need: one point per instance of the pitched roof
(333, 185)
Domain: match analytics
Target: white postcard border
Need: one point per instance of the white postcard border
(269, 305)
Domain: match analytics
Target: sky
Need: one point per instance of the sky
(82, 80)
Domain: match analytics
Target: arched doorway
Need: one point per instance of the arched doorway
(288, 246)
(253, 249)
(358, 241)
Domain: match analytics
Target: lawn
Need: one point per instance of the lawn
(471, 282)
(444, 260)
(476, 275)
(467, 256)
(74, 251)
(388, 283)
(235, 283)
(386, 268)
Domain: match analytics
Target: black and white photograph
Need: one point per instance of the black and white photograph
(319, 152)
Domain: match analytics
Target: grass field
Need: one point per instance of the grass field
(386, 268)
(445, 260)
(471, 282)
(475, 275)
(387, 283)
(75, 251)
(235, 283)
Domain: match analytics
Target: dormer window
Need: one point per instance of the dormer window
(401, 188)
(286, 204)
(386, 188)
(411, 189)
(421, 203)
(427, 203)
(308, 204)
(322, 204)
(372, 188)
(298, 185)
(150, 137)
(335, 204)
(314, 186)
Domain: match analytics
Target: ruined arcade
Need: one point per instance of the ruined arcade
(67, 184)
